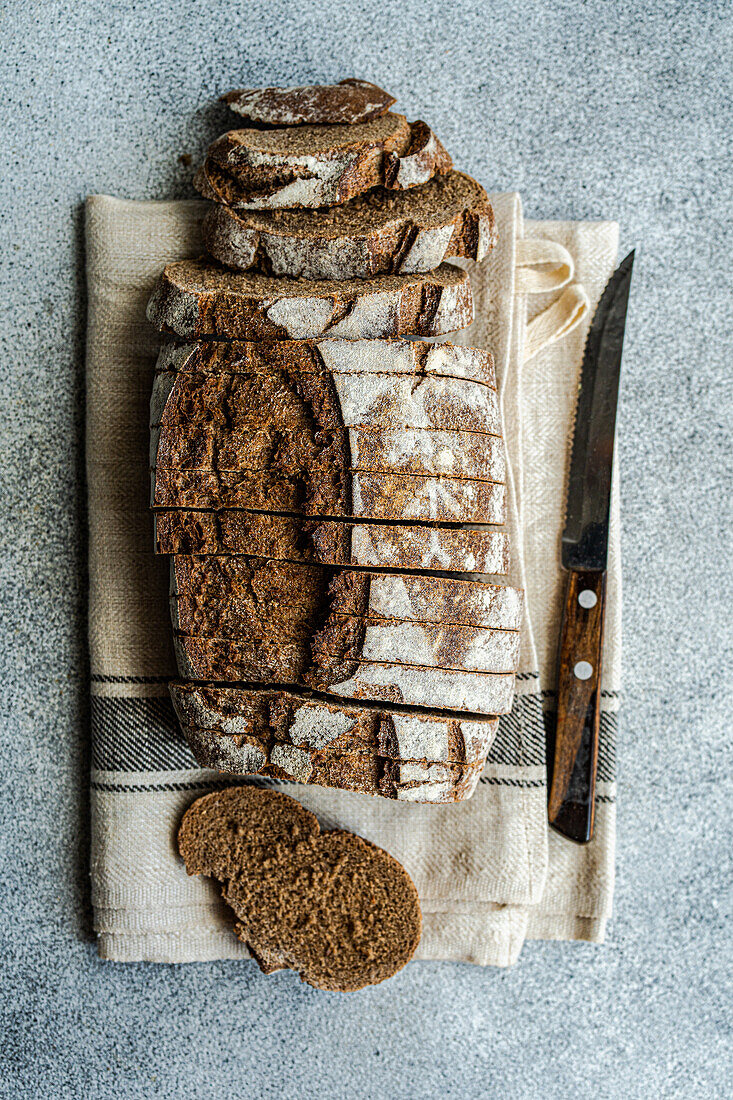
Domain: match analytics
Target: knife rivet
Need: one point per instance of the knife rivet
(583, 670)
(587, 598)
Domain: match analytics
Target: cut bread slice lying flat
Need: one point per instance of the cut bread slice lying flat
(381, 232)
(313, 588)
(316, 166)
(345, 103)
(331, 542)
(329, 355)
(317, 724)
(198, 298)
(363, 913)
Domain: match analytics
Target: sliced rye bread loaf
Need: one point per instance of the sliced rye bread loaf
(314, 166)
(198, 298)
(316, 724)
(332, 542)
(328, 355)
(313, 588)
(291, 429)
(373, 496)
(380, 232)
(340, 911)
(345, 103)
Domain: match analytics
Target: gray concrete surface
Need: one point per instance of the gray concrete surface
(591, 109)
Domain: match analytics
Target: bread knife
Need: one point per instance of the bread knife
(571, 803)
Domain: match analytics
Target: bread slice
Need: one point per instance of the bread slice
(340, 911)
(345, 103)
(316, 166)
(373, 496)
(211, 838)
(422, 451)
(404, 596)
(344, 638)
(267, 717)
(331, 542)
(225, 659)
(195, 298)
(403, 780)
(334, 641)
(330, 355)
(226, 405)
(380, 232)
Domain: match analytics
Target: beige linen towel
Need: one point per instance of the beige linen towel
(488, 875)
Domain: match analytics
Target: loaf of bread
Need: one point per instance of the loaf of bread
(322, 485)
(344, 103)
(196, 298)
(379, 233)
(341, 912)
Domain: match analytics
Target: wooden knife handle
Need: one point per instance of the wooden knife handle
(571, 806)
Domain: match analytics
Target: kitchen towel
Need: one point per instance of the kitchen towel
(488, 873)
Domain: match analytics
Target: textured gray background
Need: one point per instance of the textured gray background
(615, 110)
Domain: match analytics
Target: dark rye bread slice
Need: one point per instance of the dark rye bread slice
(315, 166)
(319, 724)
(313, 588)
(341, 912)
(331, 542)
(330, 354)
(424, 451)
(198, 298)
(230, 403)
(242, 191)
(345, 103)
(373, 496)
(380, 232)
(330, 644)
(227, 660)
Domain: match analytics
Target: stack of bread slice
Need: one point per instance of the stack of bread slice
(328, 484)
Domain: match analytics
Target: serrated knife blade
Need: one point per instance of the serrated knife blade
(571, 803)
(585, 538)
